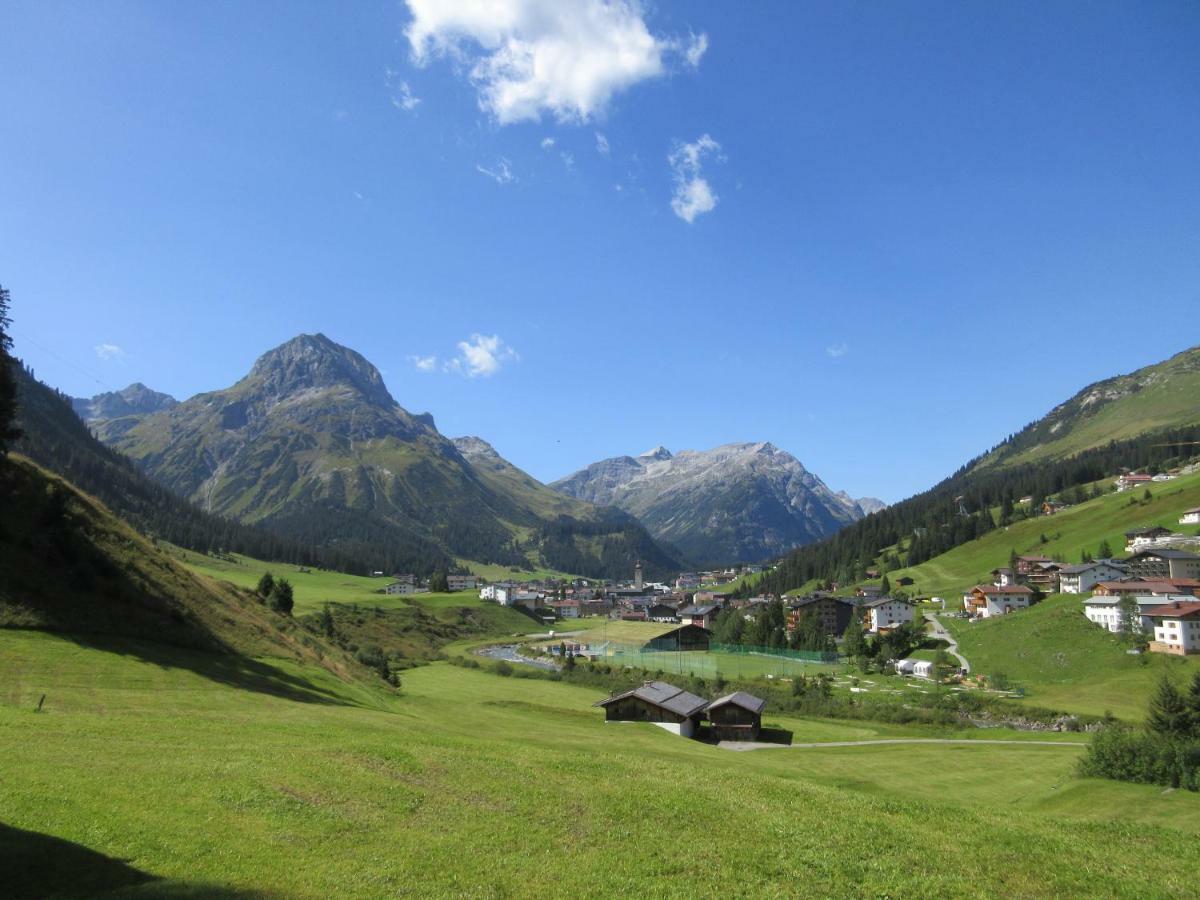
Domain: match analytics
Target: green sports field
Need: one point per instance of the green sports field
(157, 772)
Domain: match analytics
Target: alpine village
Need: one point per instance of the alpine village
(332, 563)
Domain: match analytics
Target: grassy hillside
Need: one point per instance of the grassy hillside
(1160, 396)
(1068, 533)
(67, 564)
(159, 780)
(1063, 661)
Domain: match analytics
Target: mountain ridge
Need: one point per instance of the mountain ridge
(311, 445)
(736, 502)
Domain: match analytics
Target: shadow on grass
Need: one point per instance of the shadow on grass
(227, 668)
(40, 865)
(775, 736)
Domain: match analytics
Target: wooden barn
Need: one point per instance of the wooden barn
(660, 703)
(685, 637)
(736, 717)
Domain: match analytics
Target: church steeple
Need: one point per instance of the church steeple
(637, 575)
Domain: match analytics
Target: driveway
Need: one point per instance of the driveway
(939, 631)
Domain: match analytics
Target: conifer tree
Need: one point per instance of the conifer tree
(1168, 714)
(266, 585)
(8, 384)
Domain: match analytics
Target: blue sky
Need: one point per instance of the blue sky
(881, 236)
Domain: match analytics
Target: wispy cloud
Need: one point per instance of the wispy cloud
(480, 356)
(547, 143)
(402, 96)
(693, 195)
(109, 352)
(839, 349)
(694, 49)
(530, 57)
(501, 172)
(602, 144)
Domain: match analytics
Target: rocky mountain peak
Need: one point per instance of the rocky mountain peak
(135, 400)
(475, 448)
(312, 361)
(658, 453)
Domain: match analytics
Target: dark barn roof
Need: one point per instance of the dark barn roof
(740, 698)
(663, 695)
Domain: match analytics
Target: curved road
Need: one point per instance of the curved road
(939, 631)
(756, 745)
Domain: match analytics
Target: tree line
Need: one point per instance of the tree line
(958, 510)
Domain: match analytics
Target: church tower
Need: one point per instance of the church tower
(637, 575)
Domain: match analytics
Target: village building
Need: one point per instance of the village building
(1082, 578)
(1135, 587)
(1133, 480)
(869, 591)
(1139, 538)
(736, 717)
(406, 578)
(400, 588)
(1154, 565)
(985, 601)
(662, 612)
(683, 638)
(1176, 628)
(1043, 576)
(659, 703)
(1190, 516)
(1004, 577)
(833, 613)
(885, 613)
(703, 616)
(1027, 565)
(1105, 610)
(461, 582)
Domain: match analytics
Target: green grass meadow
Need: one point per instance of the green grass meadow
(157, 778)
(1065, 662)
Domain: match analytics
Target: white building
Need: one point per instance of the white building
(1105, 611)
(987, 600)
(400, 587)
(1176, 628)
(1190, 517)
(1082, 578)
(883, 613)
(461, 582)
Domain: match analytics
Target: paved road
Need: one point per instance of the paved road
(939, 631)
(741, 746)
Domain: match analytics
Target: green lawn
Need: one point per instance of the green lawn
(1065, 662)
(171, 779)
(1068, 534)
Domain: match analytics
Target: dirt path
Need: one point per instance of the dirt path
(742, 746)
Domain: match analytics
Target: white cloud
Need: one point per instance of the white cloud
(424, 363)
(501, 173)
(602, 144)
(548, 143)
(696, 47)
(529, 57)
(839, 349)
(401, 94)
(693, 195)
(109, 351)
(482, 356)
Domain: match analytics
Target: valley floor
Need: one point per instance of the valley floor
(151, 772)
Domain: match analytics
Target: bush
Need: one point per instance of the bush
(1143, 758)
(503, 667)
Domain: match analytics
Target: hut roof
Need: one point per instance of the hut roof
(664, 695)
(740, 698)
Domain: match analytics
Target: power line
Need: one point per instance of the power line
(74, 365)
